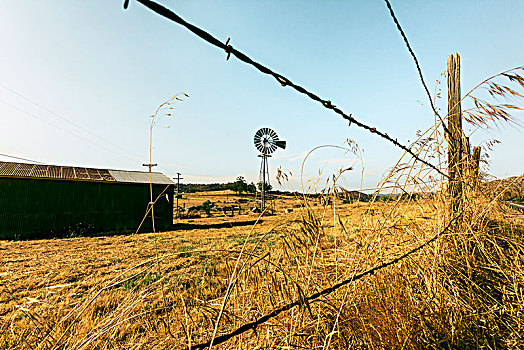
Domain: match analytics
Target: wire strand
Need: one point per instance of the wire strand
(20, 158)
(163, 11)
(69, 121)
(416, 64)
(62, 129)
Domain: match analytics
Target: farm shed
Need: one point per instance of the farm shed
(47, 200)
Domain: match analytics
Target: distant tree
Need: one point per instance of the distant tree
(207, 206)
(240, 185)
(251, 188)
(267, 187)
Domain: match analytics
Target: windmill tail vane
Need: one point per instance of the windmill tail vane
(281, 144)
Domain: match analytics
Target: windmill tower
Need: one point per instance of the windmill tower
(266, 142)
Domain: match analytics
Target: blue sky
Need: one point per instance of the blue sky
(107, 69)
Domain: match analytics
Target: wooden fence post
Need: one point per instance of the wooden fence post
(466, 148)
(475, 164)
(455, 138)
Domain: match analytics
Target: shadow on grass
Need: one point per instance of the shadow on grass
(188, 226)
(78, 231)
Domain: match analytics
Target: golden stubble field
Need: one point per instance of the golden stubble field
(168, 290)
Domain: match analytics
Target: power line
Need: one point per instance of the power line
(64, 130)
(161, 10)
(19, 158)
(69, 121)
(416, 64)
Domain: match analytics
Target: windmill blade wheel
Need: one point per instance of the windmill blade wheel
(266, 141)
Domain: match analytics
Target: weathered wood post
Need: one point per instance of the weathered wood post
(475, 164)
(455, 137)
(466, 161)
(466, 149)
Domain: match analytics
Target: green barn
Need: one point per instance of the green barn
(38, 201)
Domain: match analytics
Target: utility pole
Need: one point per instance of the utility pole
(150, 165)
(178, 178)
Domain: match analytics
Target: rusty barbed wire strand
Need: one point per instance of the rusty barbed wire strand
(416, 64)
(276, 312)
(165, 12)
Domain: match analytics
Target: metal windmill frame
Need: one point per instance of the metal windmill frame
(266, 142)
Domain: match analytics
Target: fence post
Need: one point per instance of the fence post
(466, 148)
(466, 161)
(455, 129)
(475, 160)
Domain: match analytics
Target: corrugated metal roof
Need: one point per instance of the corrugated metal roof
(9, 169)
(68, 172)
(94, 174)
(81, 173)
(24, 170)
(39, 171)
(54, 171)
(140, 177)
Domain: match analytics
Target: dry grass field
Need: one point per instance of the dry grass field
(212, 275)
(228, 199)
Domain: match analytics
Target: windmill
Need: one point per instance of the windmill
(266, 142)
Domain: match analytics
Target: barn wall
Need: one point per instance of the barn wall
(33, 208)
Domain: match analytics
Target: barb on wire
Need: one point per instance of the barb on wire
(416, 64)
(228, 49)
(276, 312)
(161, 10)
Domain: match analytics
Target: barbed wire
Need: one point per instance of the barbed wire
(416, 64)
(165, 12)
(304, 301)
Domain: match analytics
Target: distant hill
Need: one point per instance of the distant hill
(511, 188)
(356, 196)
